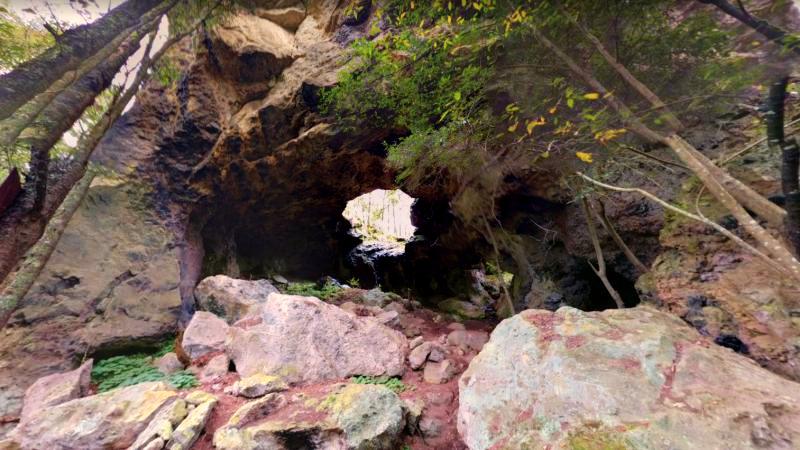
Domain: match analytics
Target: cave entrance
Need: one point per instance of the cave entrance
(598, 298)
(381, 219)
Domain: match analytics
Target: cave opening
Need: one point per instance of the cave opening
(597, 297)
(382, 221)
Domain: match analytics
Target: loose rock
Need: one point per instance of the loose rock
(230, 298)
(205, 334)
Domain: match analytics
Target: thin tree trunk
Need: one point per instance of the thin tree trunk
(600, 270)
(771, 32)
(11, 127)
(618, 239)
(73, 47)
(40, 253)
(19, 229)
(688, 156)
(66, 109)
(743, 193)
(790, 159)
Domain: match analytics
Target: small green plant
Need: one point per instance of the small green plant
(353, 282)
(393, 384)
(127, 370)
(309, 289)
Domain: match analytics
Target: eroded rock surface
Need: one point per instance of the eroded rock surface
(634, 378)
(304, 339)
(230, 298)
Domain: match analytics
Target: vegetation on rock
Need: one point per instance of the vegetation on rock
(127, 370)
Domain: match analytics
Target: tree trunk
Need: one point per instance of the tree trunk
(691, 157)
(67, 108)
(11, 127)
(743, 193)
(40, 253)
(771, 32)
(73, 47)
(790, 159)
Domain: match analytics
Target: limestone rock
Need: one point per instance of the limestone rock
(231, 298)
(349, 416)
(304, 339)
(215, 369)
(205, 334)
(289, 18)
(254, 48)
(257, 385)
(190, 428)
(462, 308)
(468, 340)
(169, 364)
(55, 389)
(110, 420)
(439, 372)
(632, 378)
(161, 427)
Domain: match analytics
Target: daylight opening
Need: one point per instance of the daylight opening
(382, 217)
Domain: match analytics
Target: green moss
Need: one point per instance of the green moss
(597, 439)
(309, 289)
(127, 370)
(392, 383)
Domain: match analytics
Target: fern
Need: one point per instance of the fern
(127, 370)
(393, 384)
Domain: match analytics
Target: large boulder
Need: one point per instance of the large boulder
(231, 298)
(349, 416)
(304, 339)
(57, 388)
(110, 420)
(634, 379)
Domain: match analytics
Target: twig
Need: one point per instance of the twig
(701, 219)
(600, 270)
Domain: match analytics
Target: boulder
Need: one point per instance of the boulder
(161, 427)
(468, 340)
(205, 334)
(110, 420)
(632, 378)
(304, 339)
(461, 308)
(439, 372)
(190, 428)
(231, 298)
(425, 352)
(55, 389)
(215, 369)
(350, 416)
(169, 364)
(257, 385)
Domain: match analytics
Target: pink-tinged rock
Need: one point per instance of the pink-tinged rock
(111, 420)
(427, 351)
(630, 378)
(205, 334)
(230, 298)
(468, 340)
(55, 389)
(215, 369)
(169, 364)
(439, 372)
(304, 339)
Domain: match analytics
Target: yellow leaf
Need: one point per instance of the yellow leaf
(546, 155)
(583, 156)
(534, 123)
(553, 109)
(591, 96)
(608, 135)
(513, 127)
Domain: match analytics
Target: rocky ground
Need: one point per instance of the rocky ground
(372, 370)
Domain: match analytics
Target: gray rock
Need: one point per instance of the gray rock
(632, 378)
(257, 385)
(205, 334)
(304, 339)
(468, 340)
(55, 389)
(230, 298)
(169, 364)
(439, 372)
